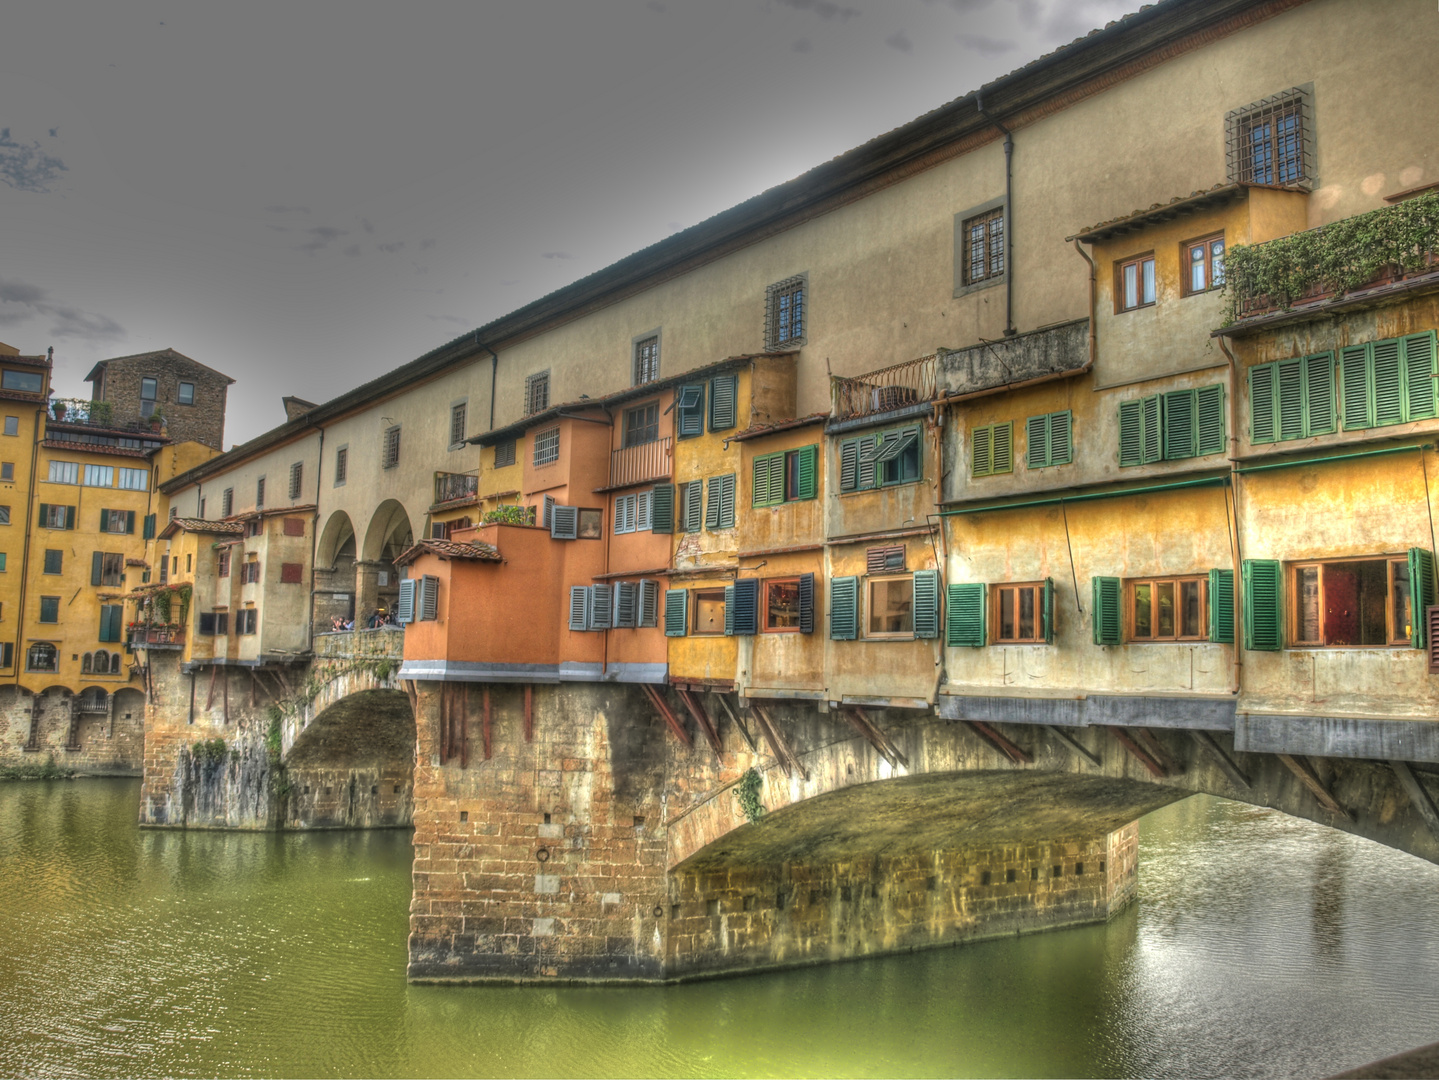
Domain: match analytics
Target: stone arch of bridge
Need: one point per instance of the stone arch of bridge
(388, 533)
(337, 539)
(954, 789)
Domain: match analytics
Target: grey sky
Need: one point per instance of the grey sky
(306, 195)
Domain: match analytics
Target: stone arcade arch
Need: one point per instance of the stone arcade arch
(335, 582)
(388, 534)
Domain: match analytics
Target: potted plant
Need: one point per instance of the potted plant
(58, 408)
(157, 421)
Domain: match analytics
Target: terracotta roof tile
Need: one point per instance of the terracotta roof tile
(450, 549)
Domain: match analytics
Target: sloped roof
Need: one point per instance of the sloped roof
(176, 354)
(759, 431)
(200, 525)
(475, 550)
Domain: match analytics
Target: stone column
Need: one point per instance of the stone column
(367, 587)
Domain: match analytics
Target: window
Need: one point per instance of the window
(99, 476)
(719, 510)
(42, 656)
(1389, 382)
(189, 563)
(297, 479)
(1203, 264)
(30, 382)
(254, 527)
(457, 423)
(259, 493)
(1021, 614)
(117, 521)
(342, 464)
(7, 470)
(222, 563)
(690, 409)
(505, 454)
(1267, 142)
(784, 477)
(64, 472)
(250, 575)
(2, 562)
(187, 394)
(1354, 602)
(890, 608)
(982, 246)
(12, 425)
(690, 494)
(49, 609)
(202, 507)
(709, 610)
(227, 502)
(642, 424)
(292, 573)
(54, 516)
(537, 392)
(134, 479)
(781, 606)
(647, 359)
(632, 513)
(890, 457)
(991, 449)
(1134, 283)
(784, 319)
(214, 623)
(547, 446)
(149, 389)
(1167, 609)
(247, 621)
(1168, 427)
(54, 561)
(592, 520)
(392, 447)
(1048, 440)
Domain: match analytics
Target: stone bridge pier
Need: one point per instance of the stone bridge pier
(577, 833)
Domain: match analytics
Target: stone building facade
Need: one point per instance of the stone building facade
(189, 395)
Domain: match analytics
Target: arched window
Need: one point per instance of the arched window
(42, 656)
(101, 662)
(114, 663)
(85, 664)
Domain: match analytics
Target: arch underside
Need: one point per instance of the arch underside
(353, 765)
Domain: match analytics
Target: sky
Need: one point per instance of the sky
(306, 195)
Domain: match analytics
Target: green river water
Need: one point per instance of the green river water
(1260, 946)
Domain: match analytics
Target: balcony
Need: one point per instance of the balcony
(452, 486)
(157, 637)
(885, 390)
(640, 464)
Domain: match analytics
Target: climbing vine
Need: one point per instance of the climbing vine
(1338, 257)
(510, 514)
(747, 792)
(209, 752)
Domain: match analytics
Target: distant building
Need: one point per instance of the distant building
(187, 394)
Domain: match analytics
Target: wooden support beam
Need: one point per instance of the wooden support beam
(1224, 761)
(444, 722)
(1156, 749)
(1121, 736)
(1310, 779)
(225, 698)
(279, 674)
(789, 761)
(876, 738)
(738, 723)
(252, 688)
(703, 720)
(487, 731)
(529, 713)
(658, 701)
(1418, 795)
(464, 692)
(210, 697)
(883, 737)
(1016, 754)
(413, 695)
(1073, 744)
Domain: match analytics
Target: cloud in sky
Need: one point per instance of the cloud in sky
(321, 237)
(801, 46)
(25, 166)
(20, 301)
(287, 209)
(986, 45)
(899, 40)
(825, 9)
(392, 247)
(556, 255)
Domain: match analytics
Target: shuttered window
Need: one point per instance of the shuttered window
(1023, 613)
(724, 392)
(601, 606)
(1221, 606)
(1263, 605)
(676, 612)
(691, 516)
(626, 604)
(1292, 399)
(690, 407)
(991, 449)
(427, 598)
(885, 458)
(1423, 593)
(662, 508)
(926, 603)
(843, 608)
(1047, 440)
(742, 607)
(1389, 382)
(768, 480)
(1179, 424)
(787, 476)
(1106, 611)
(964, 615)
(626, 513)
(580, 600)
(297, 479)
(719, 512)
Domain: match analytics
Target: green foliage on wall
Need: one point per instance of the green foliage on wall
(209, 752)
(510, 514)
(747, 792)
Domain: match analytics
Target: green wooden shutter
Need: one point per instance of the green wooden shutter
(729, 610)
(97, 560)
(104, 634)
(712, 504)
(1388, 382)
(1290, 380)
(926, 604)
(868, 449)
(1354, 381)
(662, 509)
(1261, 404)
(1421, 390)
(1422, 591)
(130, 522)
(806, 603)
(1004, 447)
(964, 615)
(149, 527)
(691, 417)
(849, 465)
(743, 598)
(1107, 614)
(1221, 606)
(981, 455)
(1263, 605)
(1209, 422)
(694, 493)
(726, 511)
(1036, 437)
(1061, 449)
(723, 391)
(843, 608)
(676, 612)
(1319, 416)
(1178, 424)
(1131, 432)
(113, 622)
(1048, 611)
(104, 521)
(45, 515)
(1153, 429)
(808, 472)
(69, 517)
(759, 482)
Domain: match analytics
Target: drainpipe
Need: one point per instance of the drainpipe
(1235, 552)
(1009, 330)
(1093, 302)
(494, 373)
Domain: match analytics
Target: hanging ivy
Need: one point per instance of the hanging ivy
(747, 792)
(1338, 258)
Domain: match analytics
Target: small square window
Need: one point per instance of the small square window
(547, 446)
(49, 609)
(457, 423)
(891, 607)
(709, 611)
(591, 524)
(187, 394)
(392, 447)
(54, 561)
(12, 425)
(7, 471)
(781, 606)
(1203, 261)
(149, 389)
(537, 393)
(1134, 285)
(1018, 613)
(1168, 609)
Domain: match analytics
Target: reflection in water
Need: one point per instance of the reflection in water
(1261, 946)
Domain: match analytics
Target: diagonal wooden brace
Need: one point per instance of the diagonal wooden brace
(738, 723)
(1141, 755)
(529, 713)
(1150, 742)
(1417, 793)
(669, 718)
(1016, 754)
(1074, 744)
(787, 758)
(1310, 779)
(1224, 761)
(702, 719)
(877, 738)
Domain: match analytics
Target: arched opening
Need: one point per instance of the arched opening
(335, 574)
(353, 765)
(377, 585)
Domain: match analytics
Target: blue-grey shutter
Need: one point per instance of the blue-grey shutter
(1153, 429)
(662, 509)
(726, 507)
(746, 606)
(649, 602)
(712, 504)
(1221, 606)
(96, 567)
(723, 391)
(843, 608)
(926, 603)
(565, 522)
(691, 407)
(691, 494)
(676, 612)
(549, 509)
(405, 609)
(1106, 611)
(643, 502)
(580, 597)
(806, 603)
(625, 603)
(429, 597)
(848, 465)
(601, 607)
(964, 623)
(729, 610)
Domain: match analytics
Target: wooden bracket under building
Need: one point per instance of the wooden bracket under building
(1122, 737)
(1226, 764)
(1310, 779)
(1417, 793)
(788, 760)
(1016, 754)
(1156, 749)
(486, 722)
(658, 701)
(702, 719)
(529, 713)
(739, 724)
(877, 738)
(1069, 741)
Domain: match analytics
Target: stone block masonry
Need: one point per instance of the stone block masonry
(56, 727)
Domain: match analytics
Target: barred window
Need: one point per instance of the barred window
(297, 478)
(259, 493)
(457, 423)
(392, 447)
(537, 392)
(342, 464)
(505, 454)
(784, 313)
(983, 253)
(1267, 142)
(227, 502)
(547, 446)
(647, 359)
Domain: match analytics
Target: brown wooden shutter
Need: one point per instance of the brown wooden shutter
(294, 526)
(291, 573)
(1431, 624)
(878, 560)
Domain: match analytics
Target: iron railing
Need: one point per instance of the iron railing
(455, 486)
(909, 383)
(638, 464)
(93, 704)
(151, 637)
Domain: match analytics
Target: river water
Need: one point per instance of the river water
(1260, 946)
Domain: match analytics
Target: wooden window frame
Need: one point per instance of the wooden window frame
(589, 523)
(649, 425)
(1186, 264)
(696, 595)
(1177, 580)
(996, 593)
(1138, 262)
(1292, 611)
(459, 417)
(868, 610)
(764, 625)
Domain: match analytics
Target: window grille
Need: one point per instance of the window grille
(547, 447)
(785, 313)
(457, 423)
(537, 393)
(227, 502)
(1267, 142)
(342, 465)
(647, 360)
(259, 493)
(984, 246)
(505, 454)
(392, 447)
(297, 476)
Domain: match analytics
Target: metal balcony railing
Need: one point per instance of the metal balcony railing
(909, 383)
(150, 637)
(637, 464)
(455, 486)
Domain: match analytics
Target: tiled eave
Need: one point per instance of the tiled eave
(759, 431)
(1179, 206)
(1392, 292)
(474, 551)
(97, 448)
(455, 504)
